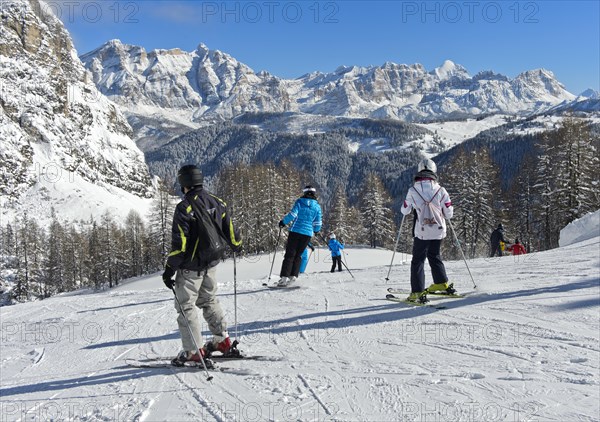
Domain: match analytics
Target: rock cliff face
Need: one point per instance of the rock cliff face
(207, 85)
(64, 144)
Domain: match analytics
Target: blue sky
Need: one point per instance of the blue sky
(291, 38)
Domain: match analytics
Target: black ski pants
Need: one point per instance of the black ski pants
(429, 249)
(336, 260)
(496, 249)
(296, 244)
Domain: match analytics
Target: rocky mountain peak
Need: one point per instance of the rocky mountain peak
(53, 117)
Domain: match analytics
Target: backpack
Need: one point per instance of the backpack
(212, 243)
(430, 218)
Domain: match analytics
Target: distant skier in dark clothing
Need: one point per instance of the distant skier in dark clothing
(305, 217)
(495, 239)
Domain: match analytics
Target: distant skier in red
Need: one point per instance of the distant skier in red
(517, 248)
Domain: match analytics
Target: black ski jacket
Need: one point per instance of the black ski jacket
(497, 237)
(184, 237)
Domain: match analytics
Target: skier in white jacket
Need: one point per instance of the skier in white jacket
(431, 205)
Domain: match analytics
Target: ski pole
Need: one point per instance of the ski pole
(345, 258)
(461, 252)
(187, 323)
(235, 296)
(395, 247)
(275, 253)
(344, 264)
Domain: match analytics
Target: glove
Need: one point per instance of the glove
(281, 224)
(312, 248)
(168, 277)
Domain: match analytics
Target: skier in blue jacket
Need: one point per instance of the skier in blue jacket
(335, 247)
(305, 219)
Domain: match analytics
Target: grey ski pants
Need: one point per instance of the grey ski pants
(198, 291)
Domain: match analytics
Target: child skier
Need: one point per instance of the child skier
(517, 248)
(335, 247)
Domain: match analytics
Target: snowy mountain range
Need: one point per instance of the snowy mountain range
(207, 85)
(64, 144)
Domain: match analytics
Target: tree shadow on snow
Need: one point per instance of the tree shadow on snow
(127, 374)
(371, 314)
(558, 289)
(109, 308)
(171, 336)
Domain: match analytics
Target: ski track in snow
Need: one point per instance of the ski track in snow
(524, 346)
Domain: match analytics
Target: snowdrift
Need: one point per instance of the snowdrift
(584, 228)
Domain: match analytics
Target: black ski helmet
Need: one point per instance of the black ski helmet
(500, 226)
(309, 192)
(190, 176)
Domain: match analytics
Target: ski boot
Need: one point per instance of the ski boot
(223, 345)
(418, 297)
(445, 288)
(194, 357)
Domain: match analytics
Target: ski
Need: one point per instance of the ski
(281, 287)
(396, 299)
(166, 363)
(217, 358)
(444, 294)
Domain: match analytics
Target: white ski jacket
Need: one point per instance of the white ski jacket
(432, 204)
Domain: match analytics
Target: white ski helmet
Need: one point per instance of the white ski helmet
(427, 164)
(332, 235)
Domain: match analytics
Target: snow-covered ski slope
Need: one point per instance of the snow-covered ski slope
(524, 346)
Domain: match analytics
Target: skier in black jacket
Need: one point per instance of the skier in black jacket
(196, 286)
(495, 239)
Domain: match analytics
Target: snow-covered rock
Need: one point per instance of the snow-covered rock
(63, 143)
(583, 228)
(590, 93)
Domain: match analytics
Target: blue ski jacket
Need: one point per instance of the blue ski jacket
(305, 217)
(335, 247)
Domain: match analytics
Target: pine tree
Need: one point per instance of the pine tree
(522, 203)
(377, 217)
(472, 182)
(568, 178)
(53, 265)
(345, 221)
(159, 232)
(134, 238)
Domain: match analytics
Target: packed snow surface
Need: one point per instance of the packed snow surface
(523, 346)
